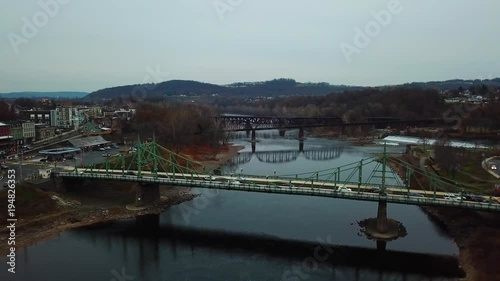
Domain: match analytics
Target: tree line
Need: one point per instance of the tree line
(176, 125)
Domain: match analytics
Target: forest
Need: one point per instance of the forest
(353, 106)
(176, 125)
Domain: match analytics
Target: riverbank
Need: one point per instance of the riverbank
(67, 212)
(477, 234)
(44, 214)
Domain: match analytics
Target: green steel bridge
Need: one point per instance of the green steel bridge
(153, 165)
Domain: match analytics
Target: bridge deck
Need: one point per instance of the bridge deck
(394, 194)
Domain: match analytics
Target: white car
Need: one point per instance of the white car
(344, 189)
(452, 198)
(493, 167)
(233, 182)
(210, 178)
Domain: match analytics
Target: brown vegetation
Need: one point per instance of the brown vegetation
(177, 126)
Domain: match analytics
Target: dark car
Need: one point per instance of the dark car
(491, 201)
(477, 198)
(373, 190)
(43, 160)
(414, 194)
(130, 173)
(5, 184)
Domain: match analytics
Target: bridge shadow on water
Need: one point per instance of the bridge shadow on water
(386, 264)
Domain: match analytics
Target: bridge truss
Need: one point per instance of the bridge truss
(147, 158)
(154, 164)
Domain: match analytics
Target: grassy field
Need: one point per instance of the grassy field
(470, 172)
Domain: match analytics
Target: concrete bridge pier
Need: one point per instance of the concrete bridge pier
(282, 132)
(301, 134)
(253, 147)
(254, 139)
(147, 193)
(382, 221)
(344, 129)
(301, 146)
(382, 228)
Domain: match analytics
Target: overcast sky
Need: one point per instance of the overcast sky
(93, 44)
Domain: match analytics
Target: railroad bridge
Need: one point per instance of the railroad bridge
(253, 123)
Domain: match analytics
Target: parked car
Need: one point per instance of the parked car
(43, 160)
(5, 184)
(101, 149)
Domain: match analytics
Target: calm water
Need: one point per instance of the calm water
(119, 252)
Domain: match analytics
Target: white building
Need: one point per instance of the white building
(28, 130)
(66, 117)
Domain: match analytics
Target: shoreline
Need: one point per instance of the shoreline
(38, 229)
(475, 234)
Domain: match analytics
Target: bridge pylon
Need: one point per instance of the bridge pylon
(146, 194)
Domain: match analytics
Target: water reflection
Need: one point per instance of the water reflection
(283, 156)
(220, 255)
(225, 240)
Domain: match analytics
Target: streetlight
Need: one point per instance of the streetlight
(274, 173)
(241, 173)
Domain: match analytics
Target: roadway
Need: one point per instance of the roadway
(31, 166)
(496, 162)
(283, 186)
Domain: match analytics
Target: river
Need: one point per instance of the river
(173, 246)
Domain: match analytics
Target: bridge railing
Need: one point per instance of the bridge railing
(312, 191)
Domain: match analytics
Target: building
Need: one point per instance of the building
(6, 143)
(89, 143)
(43, 131)
(35, 116)
(16, 131)
(28, 131)
(94, 111)
(66, 117)
(22, 133)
